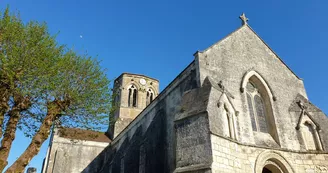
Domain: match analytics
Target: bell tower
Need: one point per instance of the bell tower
(132, 93)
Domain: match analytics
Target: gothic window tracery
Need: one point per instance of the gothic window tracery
(256, 108)
(259, 99)
(132, 97)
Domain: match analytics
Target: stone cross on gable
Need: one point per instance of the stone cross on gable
(243, 18)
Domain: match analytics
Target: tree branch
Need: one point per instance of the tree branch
(33, 149)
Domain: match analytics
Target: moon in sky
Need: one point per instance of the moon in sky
(81, 36)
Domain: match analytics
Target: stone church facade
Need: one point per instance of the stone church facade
(237, 107)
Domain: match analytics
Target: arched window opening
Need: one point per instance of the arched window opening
(150, 96)
(259, 100)
(133, 94)
(309, 129)
(272, 162)
(257, 109)
(228, 113)
(271, 168)
(308, 132)
(266, 170)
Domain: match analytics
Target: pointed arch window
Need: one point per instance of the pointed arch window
(133, 94)
(259, 100)
(257, 109)
(150, 96)
(308, 132)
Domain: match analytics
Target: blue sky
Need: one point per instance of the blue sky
(158, 38)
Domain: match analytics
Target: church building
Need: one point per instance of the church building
(236, 108)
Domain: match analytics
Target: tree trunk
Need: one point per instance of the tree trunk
(4, 107)
(21, 104)
(2, 118)
(54, 109)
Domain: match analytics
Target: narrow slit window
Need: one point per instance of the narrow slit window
(150, 96)
(133, 96)
(129, 99)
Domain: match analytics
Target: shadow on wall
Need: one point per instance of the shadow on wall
(141, 153)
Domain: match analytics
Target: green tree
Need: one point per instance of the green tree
(42, 83)
(25, 52)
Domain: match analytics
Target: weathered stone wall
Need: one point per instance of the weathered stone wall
(229, 61)
(148, 143)
(193, 145)
(71, 156)
(201, 125)
(193, 142)
(229, 156)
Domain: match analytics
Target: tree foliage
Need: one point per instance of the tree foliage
(43, 83)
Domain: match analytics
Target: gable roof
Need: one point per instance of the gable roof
(246, 25)
(83, 134)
